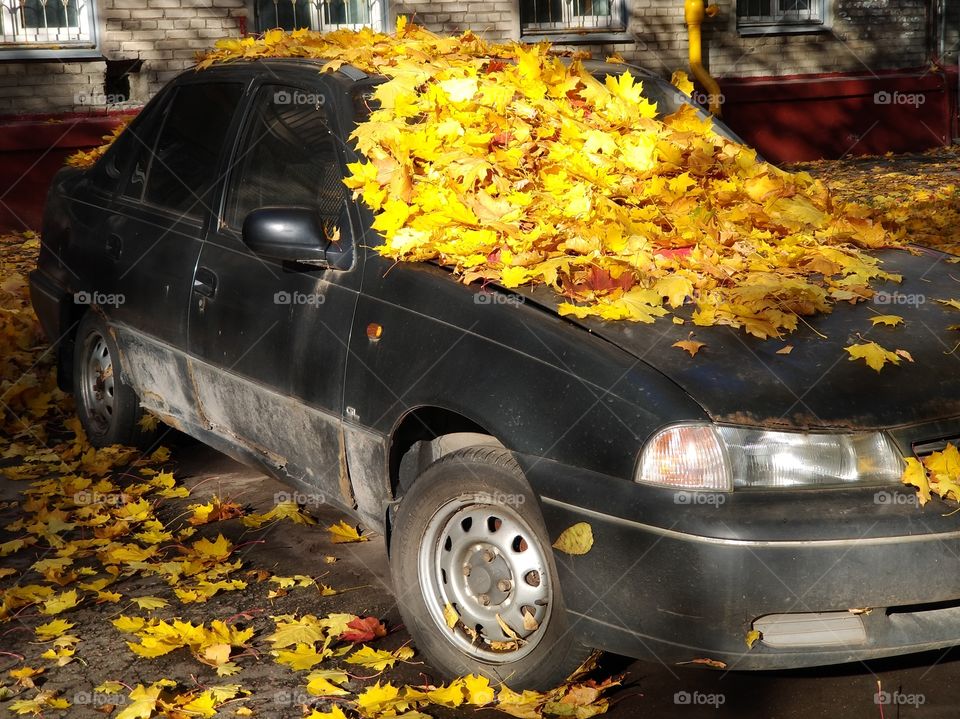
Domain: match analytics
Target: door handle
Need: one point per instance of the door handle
(205, 282)
(114, 246)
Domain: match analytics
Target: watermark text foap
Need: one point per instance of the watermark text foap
(101, 299)
(708, 99)
(310, 299)
(714, 499)
(898, 298)
(97, 699)
(88, 99)
(298, 97)
(300, 498)
(292, 697)
(895, 698)
(916, 99)
(86, 497)
(496, 298)
(499, 498)
(684, 698)
(896, 498)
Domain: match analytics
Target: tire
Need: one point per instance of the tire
(472, 510)
(108, 408)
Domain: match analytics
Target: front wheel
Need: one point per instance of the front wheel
(475, 576)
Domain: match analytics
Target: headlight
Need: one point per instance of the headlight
(711, 457)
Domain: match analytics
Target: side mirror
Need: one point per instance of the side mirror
(289, 234)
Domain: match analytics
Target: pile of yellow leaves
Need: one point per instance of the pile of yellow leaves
(937, 473)
(919, 195)
(529, 170)
(86, 158)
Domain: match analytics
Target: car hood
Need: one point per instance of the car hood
(740, 379)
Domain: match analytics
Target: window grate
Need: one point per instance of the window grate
(322, 15)
(558, 16)
(781, 15)
(46, 22)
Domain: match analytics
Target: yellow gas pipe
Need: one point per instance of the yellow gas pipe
(694, 12)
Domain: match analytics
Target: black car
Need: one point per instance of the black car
(212, 269)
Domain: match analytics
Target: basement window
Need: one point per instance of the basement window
(322, 15)
(56, 29)
(772, 17)
(572, 20)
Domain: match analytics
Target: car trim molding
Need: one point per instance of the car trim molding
(764, 543)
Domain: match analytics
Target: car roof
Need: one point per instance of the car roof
(351, 75)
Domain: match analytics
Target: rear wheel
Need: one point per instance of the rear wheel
(108, 408)
(469, 549)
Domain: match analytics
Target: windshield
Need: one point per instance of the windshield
(657, 90)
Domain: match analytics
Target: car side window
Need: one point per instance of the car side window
(288, 157)
(183, 166)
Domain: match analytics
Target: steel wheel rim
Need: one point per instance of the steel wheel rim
(97, 383)
(474, 552)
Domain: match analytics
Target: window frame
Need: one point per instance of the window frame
(781, 24)
(376, 9)
(17, 45)
(571, 30)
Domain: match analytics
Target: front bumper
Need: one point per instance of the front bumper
(677, 578)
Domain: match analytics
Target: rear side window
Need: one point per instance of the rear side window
(288, 157)
(184, 165)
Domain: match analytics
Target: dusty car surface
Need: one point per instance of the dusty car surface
(213, 269)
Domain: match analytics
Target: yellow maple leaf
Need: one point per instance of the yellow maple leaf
(680, 81)
(887, 320)
(873, 354)
(303, 656)
(575, 540)
(60, 603)
(916, 475)
(377, 699)
(371, 658)
(690, 346)
(343, 533)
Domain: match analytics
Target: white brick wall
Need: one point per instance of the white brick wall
(165, 34)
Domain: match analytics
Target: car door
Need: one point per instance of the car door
(268, 338)
(153, 239)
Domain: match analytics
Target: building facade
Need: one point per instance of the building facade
(798, 78)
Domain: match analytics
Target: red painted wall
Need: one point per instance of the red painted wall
(32, 149)
(789, 119)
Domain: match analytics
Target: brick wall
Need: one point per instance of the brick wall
(164, 34)
(866, 35)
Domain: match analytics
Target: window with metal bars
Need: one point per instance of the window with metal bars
(57, 26)
(544, 17)
(318, 14)
(766, 16)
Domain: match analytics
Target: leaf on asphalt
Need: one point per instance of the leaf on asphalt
(752, 637)
(343, 533)
(150, 602)
(364, 629)
(283, 510)
(575, 540)
(52, 629)
(303, 656)
(371, 658)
